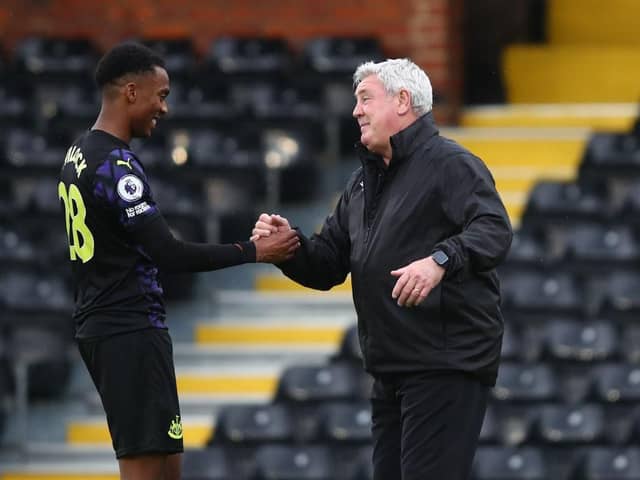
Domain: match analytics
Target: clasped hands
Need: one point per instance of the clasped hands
(275, 240)
(414, 281)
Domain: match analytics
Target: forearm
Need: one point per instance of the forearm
(173, 255)
(315, 264)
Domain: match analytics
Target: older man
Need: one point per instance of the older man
(421, 229)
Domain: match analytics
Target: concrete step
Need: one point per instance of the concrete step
(587, 23)
(556, 74)
(58, 461)
(594, 116)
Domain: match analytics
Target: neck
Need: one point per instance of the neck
(110, 122)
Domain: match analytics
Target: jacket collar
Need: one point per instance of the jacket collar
(403, 143)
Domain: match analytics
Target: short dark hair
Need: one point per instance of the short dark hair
(129, 57)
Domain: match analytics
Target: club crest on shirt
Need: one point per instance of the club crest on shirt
(130, 188)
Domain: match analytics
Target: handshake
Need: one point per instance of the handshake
(274, 239)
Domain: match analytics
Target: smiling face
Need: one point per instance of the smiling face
(374, 112)
(379, 114)
(147, 101)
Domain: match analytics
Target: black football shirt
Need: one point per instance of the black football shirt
(106, 197)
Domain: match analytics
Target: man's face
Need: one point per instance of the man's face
(151, 91)
(377, 114)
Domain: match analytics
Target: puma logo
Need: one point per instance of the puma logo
(126, 164)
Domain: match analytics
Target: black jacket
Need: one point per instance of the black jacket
(434, 195)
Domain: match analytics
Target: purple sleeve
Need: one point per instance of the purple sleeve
(122, 186)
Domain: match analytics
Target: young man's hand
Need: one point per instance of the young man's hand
(277, 246)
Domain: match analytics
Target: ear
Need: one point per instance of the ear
(404, 102)
(130, 92)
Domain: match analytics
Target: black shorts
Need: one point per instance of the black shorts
(136, 380)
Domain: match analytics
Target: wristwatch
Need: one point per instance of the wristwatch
(440, 258)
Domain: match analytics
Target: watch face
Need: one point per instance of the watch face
(440, 257)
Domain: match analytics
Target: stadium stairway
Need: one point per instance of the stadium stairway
(592, 56)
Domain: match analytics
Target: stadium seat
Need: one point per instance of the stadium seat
(62, 58)
(278, 100)
(178, 198)
(31, 291)
(363, 464)
(562, 201)
(26, 148)
(525, 383)
(620, 299)
(206, 464)
(490, 431)
(614, 463)
(349, 350)
(628, 212)
(615, 383)
(511, 344)
(48, 369)
(286, 462)
(545, 293)
(178, 54)
(244, 57)
(561, 424)
(508, 463)
(528, 248)
(340, 55)
(630, 344)
(154, 152)
(321, 383)
(601, 246)
(254, 424)
(193, 102)
(581, 341)
(217, 148)
(15, 101)
(74, 105)
(16, 246)
(612, 152)
(346, 422)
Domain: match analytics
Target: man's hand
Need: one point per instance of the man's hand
(415, 281)
(277, 247)
(268, 224)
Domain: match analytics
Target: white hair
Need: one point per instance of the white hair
(397, 74)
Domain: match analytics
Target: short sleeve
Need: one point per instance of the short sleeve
(122, 187)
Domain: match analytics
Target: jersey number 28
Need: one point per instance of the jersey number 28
(81, 243)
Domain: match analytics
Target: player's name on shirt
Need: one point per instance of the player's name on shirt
(74, 155)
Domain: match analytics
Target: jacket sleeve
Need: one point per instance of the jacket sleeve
(322, 261)
(472, 203)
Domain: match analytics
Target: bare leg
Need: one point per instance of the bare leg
(173, 470)
(149, 467)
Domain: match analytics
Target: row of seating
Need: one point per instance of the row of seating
(200, 148)
(608, 294)
(48, 81)
(321, 462)
(66, 57)
(348, 423)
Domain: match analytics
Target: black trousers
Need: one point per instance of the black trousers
(426, 425)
